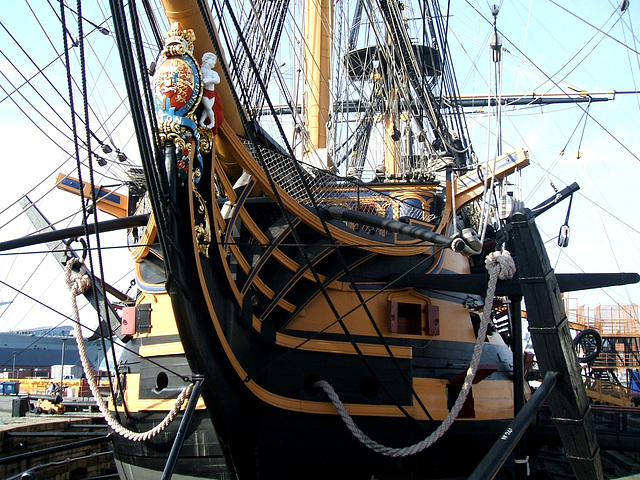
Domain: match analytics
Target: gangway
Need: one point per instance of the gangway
(618, 364)
(612, 321)
(609, 392)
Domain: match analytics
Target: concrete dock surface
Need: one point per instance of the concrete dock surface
(68, 446)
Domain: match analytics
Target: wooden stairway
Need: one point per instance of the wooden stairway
(609, 392)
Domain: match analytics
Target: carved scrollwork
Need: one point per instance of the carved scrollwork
(202, 230)
(177, 91)
(206, 140)
(170, 130)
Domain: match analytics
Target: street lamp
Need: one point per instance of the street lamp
(64, 341)
(13, 373)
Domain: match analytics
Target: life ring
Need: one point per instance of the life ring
(588, 342)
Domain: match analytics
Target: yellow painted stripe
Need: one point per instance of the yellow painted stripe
(172, 348)
(327, 346)
(137, 405)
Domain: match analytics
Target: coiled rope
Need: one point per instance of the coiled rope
(500, 265)
(78, 283)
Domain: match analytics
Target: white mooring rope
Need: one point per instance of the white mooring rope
(78, 283)
(499, 265)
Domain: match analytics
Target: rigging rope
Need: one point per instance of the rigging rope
(78, 283)
(500, 265)
(305, 185)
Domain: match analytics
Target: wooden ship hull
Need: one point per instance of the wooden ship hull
(279, 423)
(152, 371)
(201, 456)
(320, 257)
(284, 297)
(333, 321)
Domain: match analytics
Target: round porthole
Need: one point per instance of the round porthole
(310, 385)
(161, 382)
(369, 387)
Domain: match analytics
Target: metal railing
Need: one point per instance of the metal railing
(609, 392)
(617, 360)
(609, 320)
(617, 428)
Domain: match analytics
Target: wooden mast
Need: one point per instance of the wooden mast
(317, 71)
(392, 134)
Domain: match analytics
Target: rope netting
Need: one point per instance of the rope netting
(330, 189)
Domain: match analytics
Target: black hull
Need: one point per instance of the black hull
(323, 448)
(200, 457)
(265, 442)
(252, 284)
(263, 290)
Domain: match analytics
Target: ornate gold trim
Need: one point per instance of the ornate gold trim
(206, 140)
(202, 231)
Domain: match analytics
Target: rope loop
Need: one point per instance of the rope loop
(500, 265)
(78, 283)
(502, 262)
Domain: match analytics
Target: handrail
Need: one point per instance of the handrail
(617, 360)
(608, 391)
(609, 320)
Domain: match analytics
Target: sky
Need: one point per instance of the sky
(546, 49)
(36, 122)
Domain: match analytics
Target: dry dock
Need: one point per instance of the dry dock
(76, 445)
(69, 446)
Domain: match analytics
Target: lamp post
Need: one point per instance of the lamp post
(64, 341)
(13, 372)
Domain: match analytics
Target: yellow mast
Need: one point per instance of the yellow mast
(391, 136)
(317, 71)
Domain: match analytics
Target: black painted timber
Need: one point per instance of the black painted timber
(476, 283)
(495, 458)
(167, 473)
(549, 328)
(73, 232)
